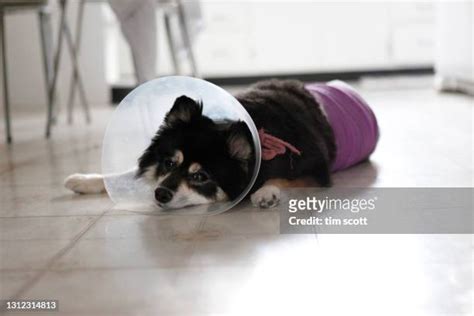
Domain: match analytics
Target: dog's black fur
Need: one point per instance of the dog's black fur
(288, 111)
(224, 150)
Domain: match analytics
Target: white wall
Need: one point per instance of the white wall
(455, 58)
(260, 37)
(25, 65)
(279, 37)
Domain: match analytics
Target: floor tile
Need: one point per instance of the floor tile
(126, 253)
(45, 201)
(144, 226)
(42, 228)
(251, 251)
(29, 254)
(12, 281)
(115, 292)
(249, 224)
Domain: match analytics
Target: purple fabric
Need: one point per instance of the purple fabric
(352, 120)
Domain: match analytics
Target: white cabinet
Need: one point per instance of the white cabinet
(413, 45)
(227, 42)
(257, 38)
(412, 28)
(242, 38)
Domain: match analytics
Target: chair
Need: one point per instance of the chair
(175, 9)
(172, 9)
(73, 49)
(76, 82)
(45, 33)
(51, 63)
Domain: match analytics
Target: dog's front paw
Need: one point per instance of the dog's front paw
(85, 183)
(266, 197)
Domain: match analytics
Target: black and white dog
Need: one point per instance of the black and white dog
(194, 160)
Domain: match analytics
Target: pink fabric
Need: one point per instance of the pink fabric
(273, 146)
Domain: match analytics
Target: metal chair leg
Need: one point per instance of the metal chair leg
(75, 65)
(46, 48)
(187, 39)
(6, 99)
(57, 59)
(75, 78)
(171, 43)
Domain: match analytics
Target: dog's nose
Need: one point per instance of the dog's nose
(163, 195)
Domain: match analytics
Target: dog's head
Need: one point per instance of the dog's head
(193, 160)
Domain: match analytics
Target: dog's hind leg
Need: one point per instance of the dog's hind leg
(85, 183)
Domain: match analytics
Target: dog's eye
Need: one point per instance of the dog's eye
(169, 164)
(199, 176)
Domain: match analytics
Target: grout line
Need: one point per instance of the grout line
(48, 216)
(55, 258)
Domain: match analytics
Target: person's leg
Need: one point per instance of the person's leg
(138, 22)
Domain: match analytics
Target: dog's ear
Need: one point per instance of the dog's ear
(184, 110)
(239, 141)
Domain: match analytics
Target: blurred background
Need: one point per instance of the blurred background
(236, 43)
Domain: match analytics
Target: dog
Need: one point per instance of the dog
(194, 160)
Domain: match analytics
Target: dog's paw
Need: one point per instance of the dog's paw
(85, 183)
(266, 197)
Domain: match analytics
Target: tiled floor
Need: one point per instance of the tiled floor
(97, 261)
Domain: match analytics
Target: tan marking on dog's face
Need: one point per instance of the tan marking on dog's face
(221, 196)
(194, 167)
(150, 173)
(178, 157)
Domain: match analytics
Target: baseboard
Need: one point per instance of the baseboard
(118, 92)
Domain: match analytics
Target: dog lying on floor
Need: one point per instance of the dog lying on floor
(306, 132)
